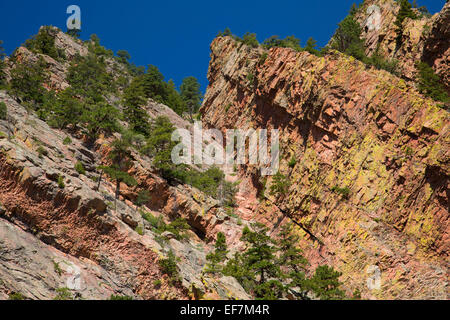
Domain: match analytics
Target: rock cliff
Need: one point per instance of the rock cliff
(349, 127)
(59, 231)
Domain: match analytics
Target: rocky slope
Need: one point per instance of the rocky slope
(347, 126)
(72, 236)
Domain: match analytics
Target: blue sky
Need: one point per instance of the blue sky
(175, 35)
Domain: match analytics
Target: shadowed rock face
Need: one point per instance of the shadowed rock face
(347, 126)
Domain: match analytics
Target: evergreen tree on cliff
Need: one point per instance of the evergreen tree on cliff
(404, 12)
(191, 94)
(120, 156)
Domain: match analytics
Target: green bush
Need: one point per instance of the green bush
(42, 151)
(344, 192)
(169, 266)
(157, 283)
(251, 78)
(139, 230)
(61, 183)
(118, 298)
(80, 168)
(250, 40)
(262, 58)
(178, 227)
(288, 42)
(63, 294)
(16, 296)
(67, 141)
(292, 162)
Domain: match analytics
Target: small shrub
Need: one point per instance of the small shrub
(61, 183)
(344, 192)
(250, 40)
(157, 283)
(139, 230)
(263, 58)
(16, 296)
(409, 151)
(262, 190)
(67, 141)
(57, 268)
(251, 78)
(80, 168)
(169, 266)
(292, 162)
(156, 222)
(42, 152)
(117, 297)
(63, 294)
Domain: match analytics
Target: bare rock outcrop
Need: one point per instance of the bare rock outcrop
(347, 126)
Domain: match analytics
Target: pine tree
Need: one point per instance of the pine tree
(292, 260)
(218, 257)
(280, 185)
(154, 85)
(347, 38)
(311, 45)
(100, 117)
(44, 43)
(63, 110)
(27, 81)
(142, 198)
(325, 284)
(120, 156)
(430, 83)
(133, 100)
(404, 12)
(174, 100)
(123, 56)
(159, 145)
(260, 258)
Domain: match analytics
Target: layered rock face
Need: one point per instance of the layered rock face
(423, 39)
(72, 235)
(346, 126)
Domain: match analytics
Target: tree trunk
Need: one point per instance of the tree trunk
(99, 180)
(117, 189)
